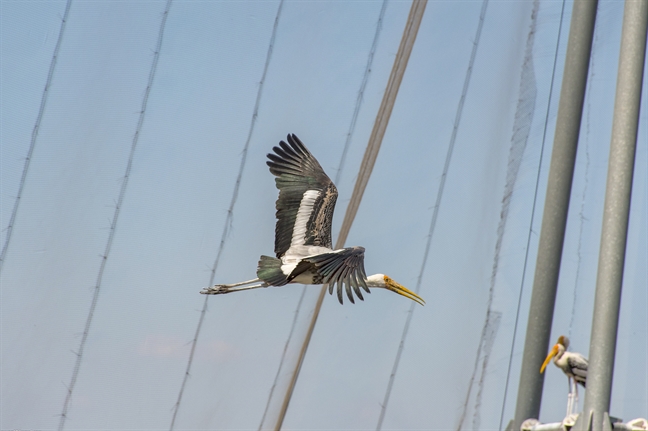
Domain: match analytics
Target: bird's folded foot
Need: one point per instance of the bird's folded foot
(570, 420)
(216, 289)
(219, 289)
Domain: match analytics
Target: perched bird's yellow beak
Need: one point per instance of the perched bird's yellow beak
(402, 290)
(551, 354)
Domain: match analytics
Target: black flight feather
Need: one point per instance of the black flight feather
(297, 171)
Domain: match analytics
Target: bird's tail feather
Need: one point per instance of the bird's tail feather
(269, 270)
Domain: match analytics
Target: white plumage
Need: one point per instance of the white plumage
(303, 214)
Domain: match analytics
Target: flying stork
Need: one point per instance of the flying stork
(303, 234)
(574, 365)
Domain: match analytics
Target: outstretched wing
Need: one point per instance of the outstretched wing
(306, 200)
(344, 267)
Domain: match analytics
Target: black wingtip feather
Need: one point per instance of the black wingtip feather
(355, 284)
(287, 156)
(284, 147)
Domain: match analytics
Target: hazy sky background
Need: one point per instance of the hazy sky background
(183, 173)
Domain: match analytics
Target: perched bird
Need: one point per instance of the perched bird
(303, 234)
(574, 365)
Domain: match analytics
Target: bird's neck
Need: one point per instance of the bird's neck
(376, 280)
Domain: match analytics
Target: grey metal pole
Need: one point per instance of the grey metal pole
(615, 216)
(554, 220)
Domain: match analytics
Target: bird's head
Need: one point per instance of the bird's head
(557, 349)
(564, 341)
(385, 282)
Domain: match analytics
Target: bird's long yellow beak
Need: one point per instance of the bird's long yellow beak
(402, 290)
(551, 354)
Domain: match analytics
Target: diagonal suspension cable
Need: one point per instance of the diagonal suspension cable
(363, 85)
(113, 225)
(382, 118)
(349, 136)
(34, 136)
(535, 199)
(283, 359)
(230, 212)
(435, 213)
(371, 153)
(523, 118)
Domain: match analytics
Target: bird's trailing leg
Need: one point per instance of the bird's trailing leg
(575, 400)
(219, 289)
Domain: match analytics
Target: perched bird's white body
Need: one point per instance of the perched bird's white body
(303, 244)
(574, 365)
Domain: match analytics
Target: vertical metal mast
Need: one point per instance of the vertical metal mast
(615, 217)
(554, 220)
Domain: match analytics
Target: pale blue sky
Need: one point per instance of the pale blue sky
(183, 173)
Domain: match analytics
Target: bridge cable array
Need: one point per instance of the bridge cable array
(435, 213)
(349, 136)
(113, 225)
(230, 212)
(366, 167)
(533, 208)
